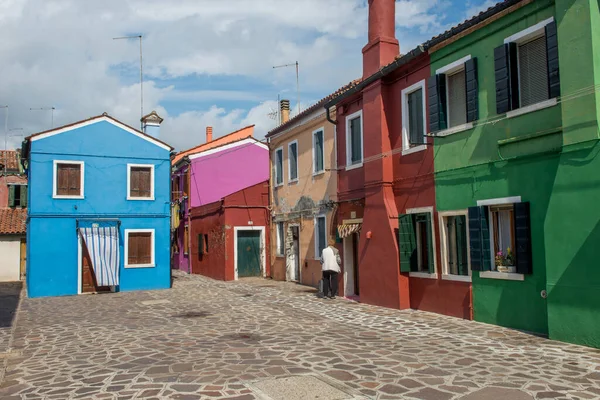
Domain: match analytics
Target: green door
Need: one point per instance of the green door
(248, 249)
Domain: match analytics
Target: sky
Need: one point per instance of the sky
(205, 62)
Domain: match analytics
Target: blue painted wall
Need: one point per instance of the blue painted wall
(106, 149)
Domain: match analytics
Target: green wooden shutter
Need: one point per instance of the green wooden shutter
(23, 189)
(485, 239)
(475, 239)
(460, 224)
(11, 195)
(200, 243)
(407, 243)
(507, 80)
(430, 252)
(523, 238)
(434, 104)
(552, 60)
(471, 87)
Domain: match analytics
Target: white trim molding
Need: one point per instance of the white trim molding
(423, 275)
(454, 66)
(422, 210)
(455, 129)
(444, 245)
(499, 201)
(317, 237)
(263, 254)
(349, 164)
(406, 149)
(55, 177)
(277, 184)
(457, 278)
(289, 162)
(529, 33)
(152, 248)
(507, 276)
(228, 147)
(314, 151)
(532, 108)
(129, 166)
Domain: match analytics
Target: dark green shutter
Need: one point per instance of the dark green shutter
(471, 88)
(479, 239)
(437, 103)
(200, 243)
(416, 132)
(11, 195)
(430, 253)
(507, 81)
(523, 238)
(552, 56)
(407, 243)
(23, 196)
(485, 239)
(319, 152)
(460, 224)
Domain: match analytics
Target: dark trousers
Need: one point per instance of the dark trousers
(330, 283)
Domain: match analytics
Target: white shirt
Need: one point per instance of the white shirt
(330, 259)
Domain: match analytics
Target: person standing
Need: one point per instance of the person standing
(330, 264)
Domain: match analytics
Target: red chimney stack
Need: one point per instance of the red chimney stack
(208, 134)
(383, 46)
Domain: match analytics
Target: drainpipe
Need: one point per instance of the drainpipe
(268, 211)
(328, 115)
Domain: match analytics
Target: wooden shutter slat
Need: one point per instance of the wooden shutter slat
(503, 86)
(145, 248)
(132, 252)
(11, 195)
(407, 243)
(145, 182)
(472, 90)
(74, 180)
(522, 221)
(134, 182)
(552, 60)
(533, 72)
(23, 189)
(62, 180)
(433, 97)
(475, 240)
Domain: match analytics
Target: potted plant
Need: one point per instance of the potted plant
(505, 263)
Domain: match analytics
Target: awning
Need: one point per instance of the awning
(345, 230)
(102, 242)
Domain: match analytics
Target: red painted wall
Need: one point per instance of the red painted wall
(4, 181)
(209, 219)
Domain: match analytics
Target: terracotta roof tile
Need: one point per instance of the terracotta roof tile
(13, 221)
(10, 158)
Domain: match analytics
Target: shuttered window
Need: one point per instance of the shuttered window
(416, 131)
(278, 166)
(186, 183)
(533, 72)
(68, 179)
(457, 99)
(280, 239)
(356, 141)
(17, 196)
(456, 245)
(318, 152)
(140, 182)
(293, 161)
(139, 248)
(321, 235)
(416, 243)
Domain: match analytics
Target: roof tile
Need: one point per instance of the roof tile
(13, 221)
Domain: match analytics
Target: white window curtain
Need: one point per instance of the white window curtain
(103, 247)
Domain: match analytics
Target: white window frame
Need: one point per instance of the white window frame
(55, 177)
(289, 159)
(450, 69)
(317, 237)
(510, 276)
(349, 164)
(314, 151)
(152, 248)
(406, 149)
(280, 239)
(129, 196)
(422, 210)
(275, 184)
(442, 215)
(524, 36)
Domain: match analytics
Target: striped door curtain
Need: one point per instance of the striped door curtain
(103, 246)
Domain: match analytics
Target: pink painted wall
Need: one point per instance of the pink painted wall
(230, 170)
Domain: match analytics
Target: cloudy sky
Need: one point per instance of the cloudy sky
(206, 62)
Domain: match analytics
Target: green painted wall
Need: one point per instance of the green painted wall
(549, 166)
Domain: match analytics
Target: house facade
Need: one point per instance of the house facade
(13, 215)
(303, 193)
(98, 213)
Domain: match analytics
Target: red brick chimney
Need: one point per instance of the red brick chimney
(383, 46)
(208, 134)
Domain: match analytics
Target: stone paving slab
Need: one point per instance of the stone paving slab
(205, 339)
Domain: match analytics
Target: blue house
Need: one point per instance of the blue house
(99, 209)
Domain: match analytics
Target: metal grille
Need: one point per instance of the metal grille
(533, 71)
(457, 99)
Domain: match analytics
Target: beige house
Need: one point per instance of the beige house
(303, 193)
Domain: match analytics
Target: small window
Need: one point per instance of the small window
(140, 182)
(186, 240)
(279, 166)
(68, 181)
(140, 248)
(416, 131)
(17, 196)
(454, 234)
(416, 243)
(533, 72)
(503, 237)
(280, 239)
(354, 140)
(175, 187)
(318, 152)
(293, 161)
(320, 235)
(457, 99)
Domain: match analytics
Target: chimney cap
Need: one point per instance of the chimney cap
(153, 117)
(285, 104)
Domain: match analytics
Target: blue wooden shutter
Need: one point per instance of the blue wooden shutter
(430, 252)
(523, 238)
(460, 224)
(407, 243)
(552, 57)
(472, 90)
(11, 195)
(479, 239)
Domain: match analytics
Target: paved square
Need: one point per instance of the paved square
(207, 339)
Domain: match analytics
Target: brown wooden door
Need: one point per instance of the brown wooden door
(88, 279)
(23, 258)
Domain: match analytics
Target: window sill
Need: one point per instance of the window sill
(415, 149)
(507, 276)
(455, 129)
(293, 181)
(425, 275)
(140, 266)
(531, 108)
(457, 278)
(67, 197)
(354, 166)
(318, 173)
(140, 198)
(278, 185)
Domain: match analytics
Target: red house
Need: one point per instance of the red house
(385, 177)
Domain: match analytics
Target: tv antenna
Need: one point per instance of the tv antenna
(297, 79)
(45, 109)
(141, 74)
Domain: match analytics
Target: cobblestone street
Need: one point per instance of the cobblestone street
(207, 339)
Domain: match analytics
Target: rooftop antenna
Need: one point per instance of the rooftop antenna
(5, 135)
(297, 79)
(141, 75)
(44, 109)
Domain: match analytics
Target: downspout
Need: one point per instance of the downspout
(328, 115)
(268, 211)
